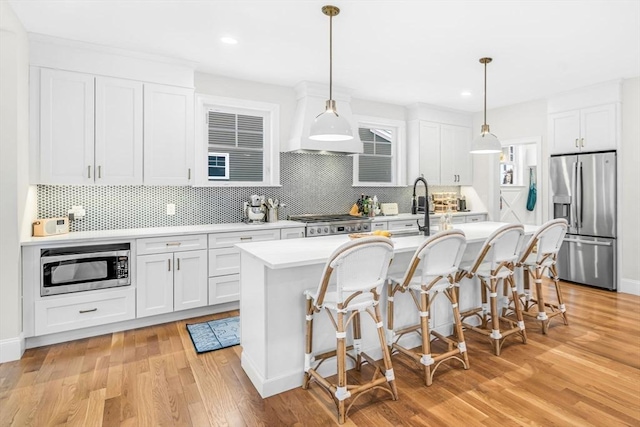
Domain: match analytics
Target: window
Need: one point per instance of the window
(380, 163)
(237, 142)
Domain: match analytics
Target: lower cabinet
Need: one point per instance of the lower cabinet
(171, 280)
(66, 312)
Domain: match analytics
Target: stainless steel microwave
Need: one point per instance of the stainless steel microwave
(84, 268)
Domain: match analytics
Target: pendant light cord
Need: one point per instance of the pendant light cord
(330, 57)
(485, 92)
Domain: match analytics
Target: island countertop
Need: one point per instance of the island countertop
(316, 250)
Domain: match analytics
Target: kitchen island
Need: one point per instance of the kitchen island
(273, 276)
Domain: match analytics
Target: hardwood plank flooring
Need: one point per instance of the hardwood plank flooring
(584, 374)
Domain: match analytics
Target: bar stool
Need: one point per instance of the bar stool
(361, 267)
(494, 264)
(438, 258)
(540, 257)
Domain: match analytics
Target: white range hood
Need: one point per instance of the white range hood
(311, 100)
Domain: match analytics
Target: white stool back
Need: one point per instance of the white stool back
(548, 239)
(501, 249)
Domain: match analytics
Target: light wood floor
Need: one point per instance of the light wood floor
(585, 374)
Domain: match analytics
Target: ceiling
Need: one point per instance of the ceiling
(399, 52)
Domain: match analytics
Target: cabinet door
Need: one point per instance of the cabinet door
(190, 280)
(379, 225)
(66, 127)
(564, 132)
(598, 128)
(118, 124)
(168, 135)
(154, 284)
(430, 152)
(455, 159)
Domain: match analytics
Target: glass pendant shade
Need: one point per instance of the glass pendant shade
(329, 126)
(486, 142)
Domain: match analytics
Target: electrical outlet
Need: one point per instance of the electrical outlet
(171, 209)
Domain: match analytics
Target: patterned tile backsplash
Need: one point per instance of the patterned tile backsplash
(311, 184)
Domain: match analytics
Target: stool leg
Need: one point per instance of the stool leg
(390, 293)
(308, 344)
(485, 309)
(386, 354)
(526, 277)
(457, 324)
(556, 282)
(517, 308)
(426, 359)
(357, 343)
(542, 313)
(495, 319)
(341, 355)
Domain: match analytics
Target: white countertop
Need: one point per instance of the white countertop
(135, 233)
(406, 216)
(315, 250)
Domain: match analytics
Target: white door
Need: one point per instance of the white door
(564, 132)
(66, 127)
(598, 128)
(154, 284)
(190, 285)
(118, 132)
(430, 152)
(168, 135)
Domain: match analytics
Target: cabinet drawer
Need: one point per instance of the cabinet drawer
(224, 261)
(292, 233)
(403, 225)
(476, 218)
(84, 309)
(224, 289)
(457, 219)
(158, 245)
(227, 240)
(379, 225)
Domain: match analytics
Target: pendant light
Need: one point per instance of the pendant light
(486, 142)
(329, 126)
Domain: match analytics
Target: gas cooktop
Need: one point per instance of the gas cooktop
(326, 225)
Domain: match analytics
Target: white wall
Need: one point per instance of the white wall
(629, 161)
(14, 173)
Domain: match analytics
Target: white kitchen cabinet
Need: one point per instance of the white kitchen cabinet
(587, 129)
(90, 129)
(168, 135)
(66, 127)
(174, 278)
(292, 233)
(224, 260)
(444, 157)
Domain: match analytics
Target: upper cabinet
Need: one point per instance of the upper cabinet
(443, 152)
(588, 129)
(168, 135)
(585, 120)
(89, 130)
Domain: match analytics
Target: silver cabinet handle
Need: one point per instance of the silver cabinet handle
(408, 225)
(174, 244)
(88, 171)
(189, 173)
(87, 311)
(577, 143)
(99, 171)
(582, 142)
(168, 265)
(178, 266)
(246, 238)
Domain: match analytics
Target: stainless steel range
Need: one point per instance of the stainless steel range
(327, 225)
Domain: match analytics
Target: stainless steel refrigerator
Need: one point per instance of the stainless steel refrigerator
(583, 188)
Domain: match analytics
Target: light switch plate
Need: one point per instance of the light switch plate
(171, 209)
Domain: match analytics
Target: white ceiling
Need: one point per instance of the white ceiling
(393, 51)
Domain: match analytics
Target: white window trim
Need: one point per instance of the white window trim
(398, 151)
(271, 171)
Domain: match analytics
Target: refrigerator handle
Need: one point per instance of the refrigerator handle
(580, 189)
(574, 202)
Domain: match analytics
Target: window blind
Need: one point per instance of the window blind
(375, 164)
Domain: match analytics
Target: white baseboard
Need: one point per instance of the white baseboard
(629, 286)
(12, 349)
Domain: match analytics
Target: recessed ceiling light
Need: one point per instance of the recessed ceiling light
(465, 93)
(228, 40)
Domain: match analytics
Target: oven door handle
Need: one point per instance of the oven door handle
(57, 258)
